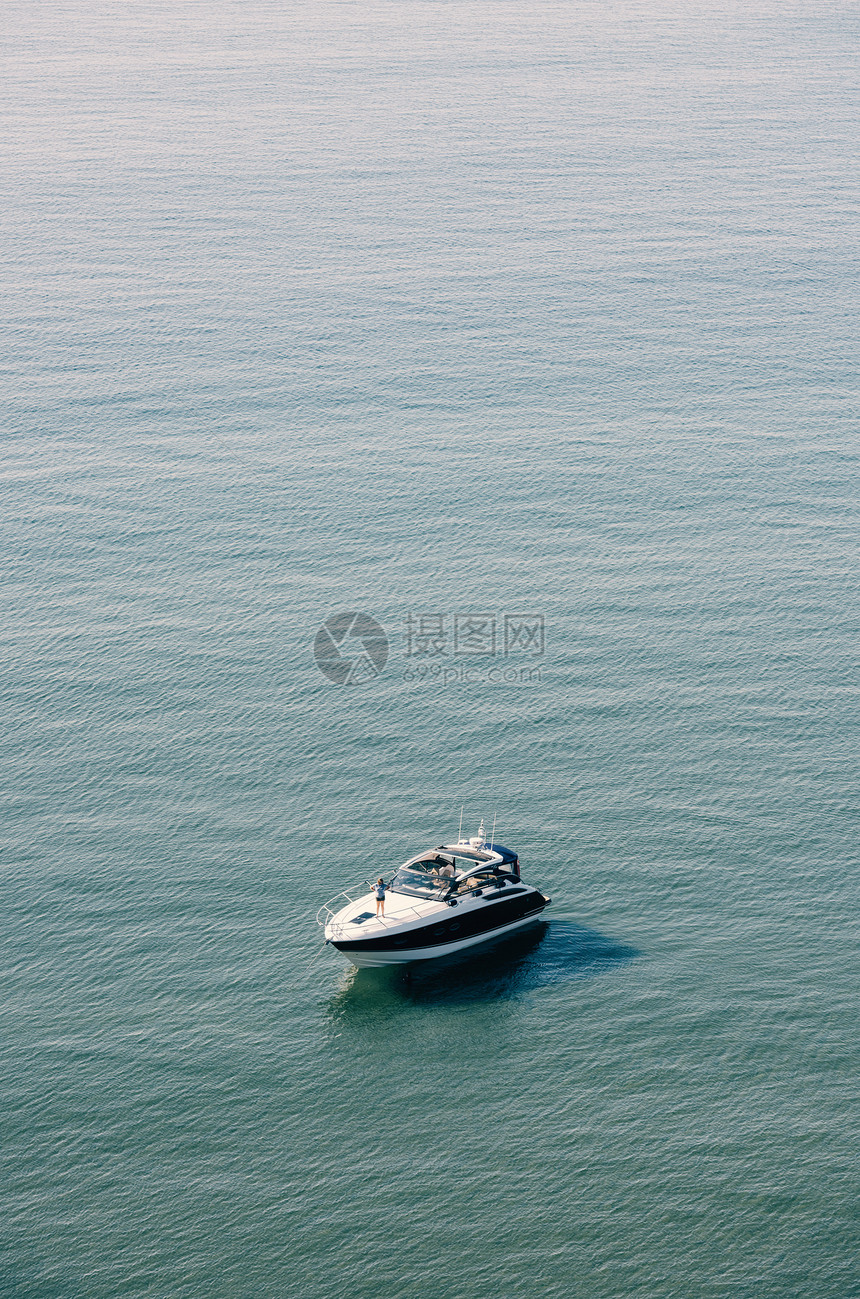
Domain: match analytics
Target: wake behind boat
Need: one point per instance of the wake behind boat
(441, 901)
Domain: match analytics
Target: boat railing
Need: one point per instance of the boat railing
(330, 909)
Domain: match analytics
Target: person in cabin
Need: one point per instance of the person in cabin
(379, 890)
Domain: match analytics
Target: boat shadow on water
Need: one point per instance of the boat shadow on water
(551, 952)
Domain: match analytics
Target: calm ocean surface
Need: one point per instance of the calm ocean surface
(540, 315)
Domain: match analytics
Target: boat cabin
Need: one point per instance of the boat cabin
(448, 872)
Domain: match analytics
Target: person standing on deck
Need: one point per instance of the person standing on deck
(380, 896)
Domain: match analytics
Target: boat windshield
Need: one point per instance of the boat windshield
(421, 880)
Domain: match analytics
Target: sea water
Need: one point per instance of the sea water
(528, 332)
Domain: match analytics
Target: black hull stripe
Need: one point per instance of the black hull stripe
(452, 930)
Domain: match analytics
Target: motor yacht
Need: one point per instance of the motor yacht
(442, 901)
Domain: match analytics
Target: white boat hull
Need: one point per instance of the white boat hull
(405, 956)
